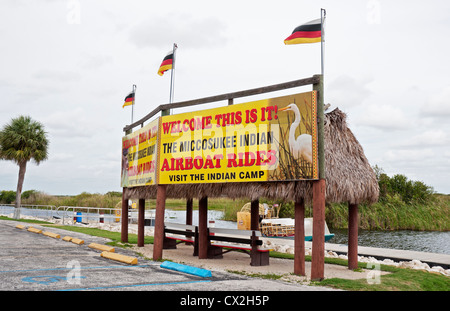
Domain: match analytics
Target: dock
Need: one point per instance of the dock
(432, 259)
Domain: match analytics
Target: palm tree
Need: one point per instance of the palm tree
(21, 141)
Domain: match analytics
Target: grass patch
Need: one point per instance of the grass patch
(400, 280)
(267, 276)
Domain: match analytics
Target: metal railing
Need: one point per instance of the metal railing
(69, 214)
(85, 214)
(41, 211)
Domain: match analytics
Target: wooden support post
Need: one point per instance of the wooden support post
(299, 238)
(254, 215)
(159, 222)
(318, 242)
(189, 205)
(203, 228)
(141, 222)
(353, 236)
(124, 216)
(189, 209)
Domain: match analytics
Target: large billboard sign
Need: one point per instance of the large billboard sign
(139, 156)
(266, 140)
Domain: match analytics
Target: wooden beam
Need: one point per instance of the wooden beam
(159, 222)
(203, 228)
(299, 238)
(141, 222)
(227, 96)
(353, 236)
(318, 242)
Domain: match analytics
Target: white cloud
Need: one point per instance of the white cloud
(434, 137)
(345, 91)
(409, 155)
(69, 124)
(188, 31)
(438, 105)
(384, 117)
(61, 157)
(57, 75)
(94, 62)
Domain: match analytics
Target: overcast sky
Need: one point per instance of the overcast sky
(70, 63)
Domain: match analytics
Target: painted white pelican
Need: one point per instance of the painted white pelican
(302, 146)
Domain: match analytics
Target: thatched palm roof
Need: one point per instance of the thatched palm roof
(349, 176)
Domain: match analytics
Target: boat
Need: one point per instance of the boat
(272, 226)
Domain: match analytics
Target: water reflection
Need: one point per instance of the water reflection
(213, 215)
(421, 241)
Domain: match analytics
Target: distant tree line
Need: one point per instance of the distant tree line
(9, 196)
(409, 191)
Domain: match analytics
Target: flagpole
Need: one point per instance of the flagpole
(132, 105)
(172, 74)
(321, 102)
(322, 35)
(319, 186)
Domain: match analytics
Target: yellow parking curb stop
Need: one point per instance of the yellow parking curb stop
(51, 234)
(122, 258)
(77, 241)
(101, 247)
(31, 229)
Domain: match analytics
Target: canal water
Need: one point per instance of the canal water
(422, 241)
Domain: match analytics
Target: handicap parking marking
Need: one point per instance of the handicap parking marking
(82, 268)
(134, 285)
(47, 279)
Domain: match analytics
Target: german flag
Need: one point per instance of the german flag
(310, 32)
(129, 100)
(166, 64)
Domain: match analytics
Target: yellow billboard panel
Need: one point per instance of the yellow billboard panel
(266, 140)
(139, 156)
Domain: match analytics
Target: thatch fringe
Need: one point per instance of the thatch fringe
(349, 176)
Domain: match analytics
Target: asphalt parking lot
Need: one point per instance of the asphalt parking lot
(35, 262)
(31, 261)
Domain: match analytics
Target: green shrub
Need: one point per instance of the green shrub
(7, 196)
(409, 191)
(28, 193)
